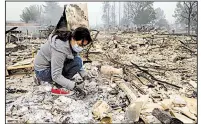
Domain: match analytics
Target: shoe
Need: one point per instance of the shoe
(61, 91)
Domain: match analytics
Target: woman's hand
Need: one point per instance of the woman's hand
(80, 93)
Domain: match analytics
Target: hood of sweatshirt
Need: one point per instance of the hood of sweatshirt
(61, 46)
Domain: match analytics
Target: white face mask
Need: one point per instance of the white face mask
(77, 48)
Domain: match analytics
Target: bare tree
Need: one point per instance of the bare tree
(115, 13)
(106, 13)
(119, 13)
(113, 21)
(186, 12)
(126, 13)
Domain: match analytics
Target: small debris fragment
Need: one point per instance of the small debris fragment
(193, 83)
(178, 101)
(133, 111)
(109, 70)
(9, 90)
(184, 119)
(113, 85)
(106, 120)
(191, 104)
(100, 109)
(113, 92)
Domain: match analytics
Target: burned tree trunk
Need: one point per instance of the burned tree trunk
(189, 22)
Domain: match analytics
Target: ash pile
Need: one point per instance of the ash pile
(135, 77)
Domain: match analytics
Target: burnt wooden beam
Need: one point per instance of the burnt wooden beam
(11, 29)
(164, 117)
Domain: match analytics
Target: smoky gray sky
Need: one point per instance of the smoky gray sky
(14, 9)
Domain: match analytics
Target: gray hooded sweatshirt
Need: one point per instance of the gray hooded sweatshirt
(53, 54)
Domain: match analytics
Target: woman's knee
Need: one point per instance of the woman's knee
(78, 61)
(44, 75)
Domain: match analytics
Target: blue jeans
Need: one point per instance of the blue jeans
(71, 67)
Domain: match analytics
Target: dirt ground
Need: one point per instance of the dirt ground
(161, 67)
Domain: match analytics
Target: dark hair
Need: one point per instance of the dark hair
(63, 35)
(82, 33)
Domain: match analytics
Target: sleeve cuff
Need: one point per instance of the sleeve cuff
(83, 73)
(72, 85)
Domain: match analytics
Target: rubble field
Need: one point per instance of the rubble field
(145, 78)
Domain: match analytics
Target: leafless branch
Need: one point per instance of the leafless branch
(153, 78)
(184, 16)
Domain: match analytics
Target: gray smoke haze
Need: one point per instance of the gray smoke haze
(14, 9)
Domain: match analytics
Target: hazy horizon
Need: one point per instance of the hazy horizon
(14, 9)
